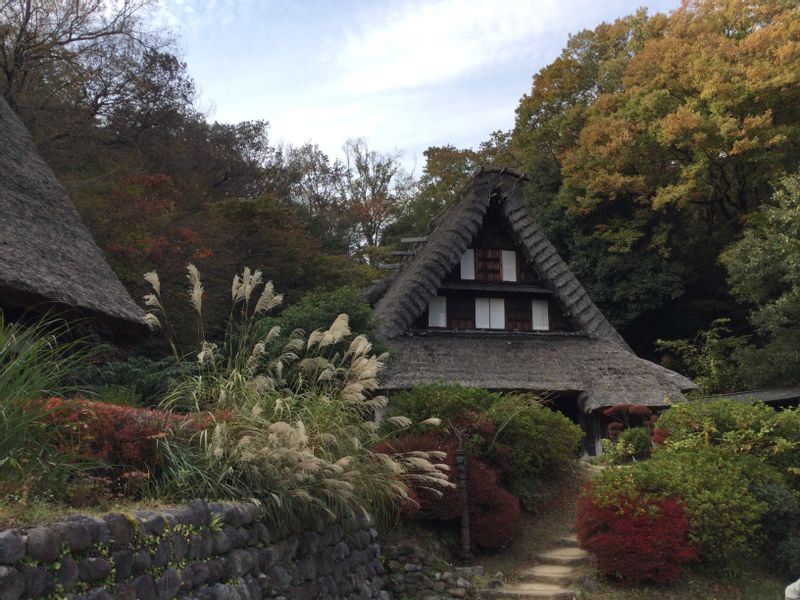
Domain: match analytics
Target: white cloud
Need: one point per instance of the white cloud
(427, 43)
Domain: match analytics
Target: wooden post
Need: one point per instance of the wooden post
(462, 468)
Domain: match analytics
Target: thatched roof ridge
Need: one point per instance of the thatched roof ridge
(48, 258)
(407, 296)
(601, 371)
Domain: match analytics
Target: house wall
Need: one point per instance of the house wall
(199, 551)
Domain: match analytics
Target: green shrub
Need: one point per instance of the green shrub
(451, 403)
(786, 446)
(738, 429)
(780, 525)
(715, 488)
(638, 439)
(319, 309)
(729, 423)
(137, 380)
(537, 441)
(785, 559)
(527, 441)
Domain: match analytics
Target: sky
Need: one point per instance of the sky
(405, 74)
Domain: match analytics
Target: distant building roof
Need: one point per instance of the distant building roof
(766, 395)
(48, 259)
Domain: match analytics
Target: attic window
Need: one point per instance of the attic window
(540, 317)
(509, 265)
(437, 312)
(468, 264)
(490, 313)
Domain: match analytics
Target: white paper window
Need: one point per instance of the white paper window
(490, 313)
(437, 312)
(540, 317)
(468, 264)
(509, 265)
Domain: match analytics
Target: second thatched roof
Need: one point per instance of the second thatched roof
(48, 258)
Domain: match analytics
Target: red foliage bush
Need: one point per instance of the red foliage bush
(660, 435)
(636, 540)
(431, 505)
(494, 512)
(494, 523)
(123, 437)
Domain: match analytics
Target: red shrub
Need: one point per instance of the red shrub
(494, 512)
(635, 539)
(431, 506)
(494, 523)
(660, 435)
(121, 436)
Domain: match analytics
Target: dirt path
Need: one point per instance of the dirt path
(543, 561)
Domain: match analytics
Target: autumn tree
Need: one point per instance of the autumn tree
(447, 170)
(375, 188)
(649, 141)
(63, 63)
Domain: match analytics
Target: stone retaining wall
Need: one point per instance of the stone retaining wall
(203, 551)
(417, 572)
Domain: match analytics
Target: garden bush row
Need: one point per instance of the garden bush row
(730, 468)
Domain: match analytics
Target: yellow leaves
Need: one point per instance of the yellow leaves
(685, 124)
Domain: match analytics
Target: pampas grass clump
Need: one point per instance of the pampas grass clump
(295, 424)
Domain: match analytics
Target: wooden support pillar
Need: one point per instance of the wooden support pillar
(462, 468)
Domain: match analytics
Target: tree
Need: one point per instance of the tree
(650, 140)
(313, 188)
(447, 170)
(73, 47)
(764, 271)
(375, 187)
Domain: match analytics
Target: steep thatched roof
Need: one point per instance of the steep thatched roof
(417, 282)
(601, 371)
(48, 259)
(594, 362)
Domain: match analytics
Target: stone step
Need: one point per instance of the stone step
(569, 540)
(557, 574)
(563, 556)
(540, 591)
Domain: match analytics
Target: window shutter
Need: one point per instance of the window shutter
(482, 313)
(468, 264)
(540, 316)
(437, 312)
(497, 310)
(509, 265)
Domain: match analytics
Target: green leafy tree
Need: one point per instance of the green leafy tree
(764, 272)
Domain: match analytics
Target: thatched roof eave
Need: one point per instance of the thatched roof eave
(48, 258)
(600, 371)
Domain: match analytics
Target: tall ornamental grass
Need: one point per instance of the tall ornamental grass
(294, 425)
(35, 362)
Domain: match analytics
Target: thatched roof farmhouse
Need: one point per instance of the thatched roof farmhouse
(48, 259)
(486, 301)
